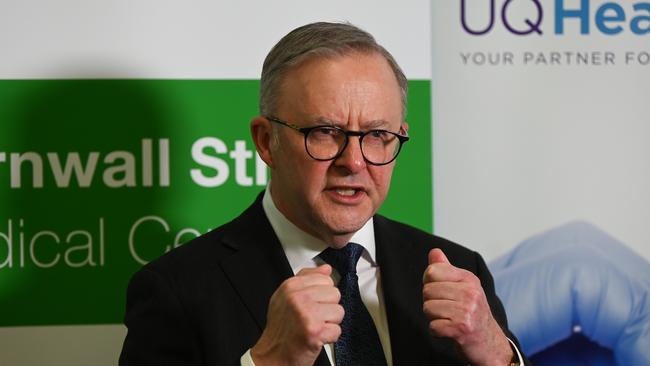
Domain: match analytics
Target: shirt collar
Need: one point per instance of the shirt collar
(302, 248)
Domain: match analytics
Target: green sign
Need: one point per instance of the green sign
(98, 177)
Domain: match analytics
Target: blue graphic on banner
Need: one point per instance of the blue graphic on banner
(576, 296)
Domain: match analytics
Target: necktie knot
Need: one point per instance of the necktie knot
(344, 260)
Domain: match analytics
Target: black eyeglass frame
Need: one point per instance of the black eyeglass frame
(306, 130)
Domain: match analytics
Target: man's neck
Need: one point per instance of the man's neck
(301, 247)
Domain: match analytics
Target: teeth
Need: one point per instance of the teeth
(346, 192)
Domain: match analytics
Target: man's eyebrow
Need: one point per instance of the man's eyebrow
(375, 124)
(320, 120)
(367, 125)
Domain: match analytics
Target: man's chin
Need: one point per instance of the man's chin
(343, 228)
(336, 222)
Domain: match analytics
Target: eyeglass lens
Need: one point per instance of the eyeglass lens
(377, 147)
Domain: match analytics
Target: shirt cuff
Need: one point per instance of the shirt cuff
(247, 360)
(514, 347)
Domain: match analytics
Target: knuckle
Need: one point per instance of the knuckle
(426, 308)
(290, 284)
(436, 329)
(471, 278)
(331, 334)
(426, 288)
(340, 312)
(336, 331)
(295, 301)
(329, 280)
(474, 295)
(433, 327)
(312, 330)
(466, 326)
(337, 294)
(429, 273)
(429, 291)
(465, 274)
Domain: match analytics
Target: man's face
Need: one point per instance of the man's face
(333, 199)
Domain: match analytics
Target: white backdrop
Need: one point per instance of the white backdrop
(524, 146)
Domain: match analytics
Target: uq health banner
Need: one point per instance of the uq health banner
(541, 139)
(124, 134)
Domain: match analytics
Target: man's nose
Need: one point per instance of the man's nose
(352, 157)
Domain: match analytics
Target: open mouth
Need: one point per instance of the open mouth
(348, 195)
(346, 192)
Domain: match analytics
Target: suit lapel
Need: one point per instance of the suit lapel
(258, 265)
(402, 263)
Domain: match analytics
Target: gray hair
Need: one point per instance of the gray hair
(325, 40)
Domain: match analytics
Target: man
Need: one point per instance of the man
(309, 273)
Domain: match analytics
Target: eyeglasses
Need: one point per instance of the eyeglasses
(323, 143)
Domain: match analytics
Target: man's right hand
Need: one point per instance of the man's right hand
(304, 314)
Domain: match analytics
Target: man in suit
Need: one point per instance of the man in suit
(309, 273)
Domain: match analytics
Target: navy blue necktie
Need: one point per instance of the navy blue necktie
(359, 342)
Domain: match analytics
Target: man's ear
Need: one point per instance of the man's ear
(405, 127)
(261, 133)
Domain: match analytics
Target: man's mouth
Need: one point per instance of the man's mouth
(346, 192)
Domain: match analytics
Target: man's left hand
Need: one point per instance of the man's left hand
(456, 307)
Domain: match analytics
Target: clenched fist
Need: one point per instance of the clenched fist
(304, 314)
(456, 307)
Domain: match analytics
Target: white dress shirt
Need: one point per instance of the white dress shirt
(302, 251)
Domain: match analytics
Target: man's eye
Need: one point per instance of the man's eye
(379, 134)
(326, 131)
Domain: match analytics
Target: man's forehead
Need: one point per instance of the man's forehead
(314, 66)
(352, 89)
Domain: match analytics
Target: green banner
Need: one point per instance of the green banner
(98, 177)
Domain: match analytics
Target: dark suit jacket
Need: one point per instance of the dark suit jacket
(205, 303)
